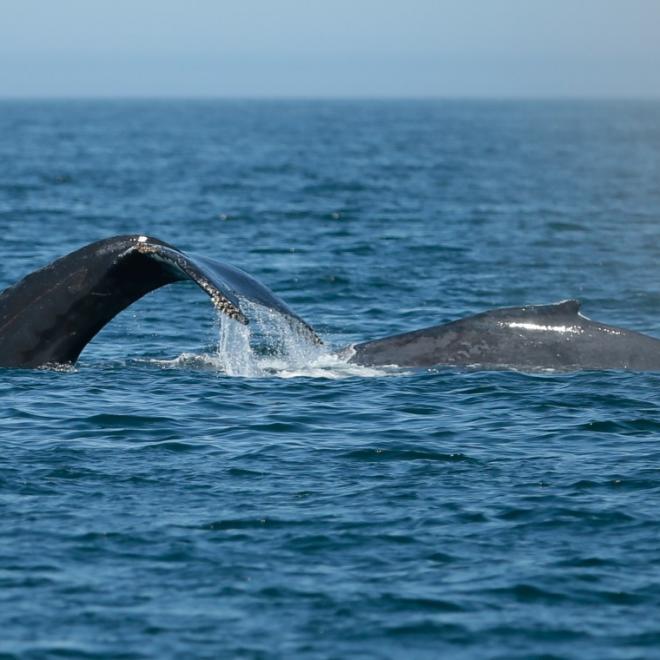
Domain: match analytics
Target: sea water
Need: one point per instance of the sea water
(195, 488)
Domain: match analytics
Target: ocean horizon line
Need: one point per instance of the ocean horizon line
(333, 98)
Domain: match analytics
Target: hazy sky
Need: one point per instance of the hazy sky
(309, 48)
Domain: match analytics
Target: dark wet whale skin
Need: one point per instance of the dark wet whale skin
(50, 315)
(532, 337)
(53, 313)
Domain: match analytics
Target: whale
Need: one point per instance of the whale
(534, 337)
(48, 317)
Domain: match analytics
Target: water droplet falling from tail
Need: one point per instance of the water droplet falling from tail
(268, 345)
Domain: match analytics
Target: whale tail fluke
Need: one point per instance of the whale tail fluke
(53, 313)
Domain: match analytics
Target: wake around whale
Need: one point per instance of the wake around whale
(52, 314)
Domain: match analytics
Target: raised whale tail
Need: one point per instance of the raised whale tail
(53, 313)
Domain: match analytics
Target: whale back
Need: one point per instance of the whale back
(553, 336)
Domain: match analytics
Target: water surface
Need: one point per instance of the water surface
(154, 505)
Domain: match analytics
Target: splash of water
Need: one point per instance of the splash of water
(234, 354)
(270, 346)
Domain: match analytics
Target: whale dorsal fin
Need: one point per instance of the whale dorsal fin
(565, 307)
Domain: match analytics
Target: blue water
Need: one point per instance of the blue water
(153, 505)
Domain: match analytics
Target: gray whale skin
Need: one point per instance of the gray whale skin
(52, 314)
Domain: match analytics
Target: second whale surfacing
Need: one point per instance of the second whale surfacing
(533, 337)
(52, 314)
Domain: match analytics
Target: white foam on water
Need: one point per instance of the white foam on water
(325, 366)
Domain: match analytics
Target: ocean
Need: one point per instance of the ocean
(180, 495)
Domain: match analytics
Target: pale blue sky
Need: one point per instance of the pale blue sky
(326, 48)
